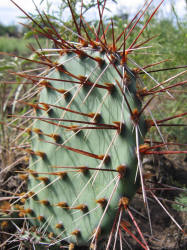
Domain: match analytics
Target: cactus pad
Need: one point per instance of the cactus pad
(84, 144)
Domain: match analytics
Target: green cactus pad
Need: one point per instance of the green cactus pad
(83, 123)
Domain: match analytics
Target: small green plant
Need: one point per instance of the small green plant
(88, 136)
(181, 203)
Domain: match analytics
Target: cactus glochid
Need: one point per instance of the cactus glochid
(87, 136)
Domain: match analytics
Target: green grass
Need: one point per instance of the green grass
(17, 45)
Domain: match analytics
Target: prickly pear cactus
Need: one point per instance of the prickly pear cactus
(84, 144)
(87, 137)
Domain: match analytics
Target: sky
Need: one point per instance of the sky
(9, 13)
